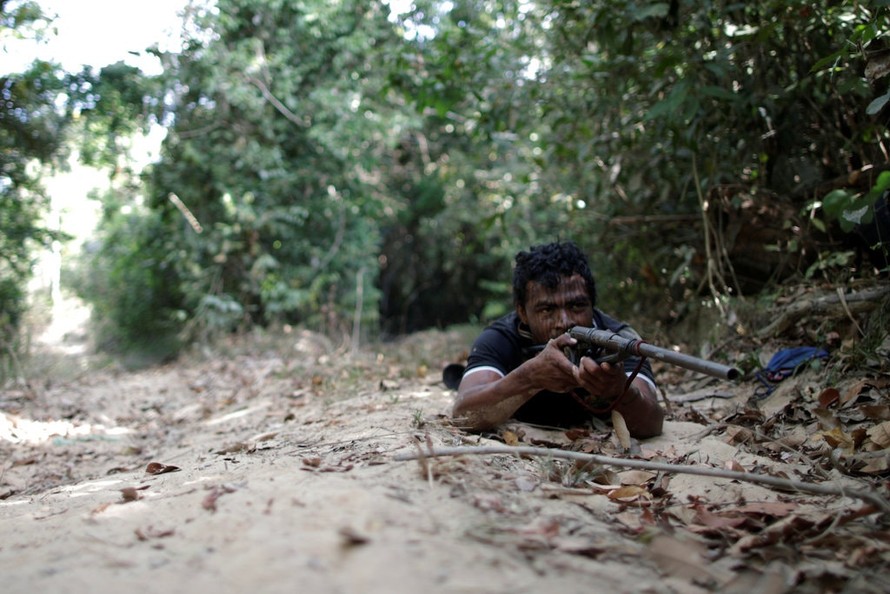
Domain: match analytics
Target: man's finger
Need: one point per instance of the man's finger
(563, 340)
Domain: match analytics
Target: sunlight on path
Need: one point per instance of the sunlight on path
(67, 332)
(15, 429)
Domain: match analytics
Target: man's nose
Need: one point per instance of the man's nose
(565, 320)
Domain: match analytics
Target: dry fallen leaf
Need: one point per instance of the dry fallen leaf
(577, 433)
(158, 468)
(627, 493)
(828, 397)
(686, 560)
(836, 438)
(509, 438)
(880, 434)
(734, 465)
(736, 435)
(707, 522)
(876, 465)
(621, 431)
(853, 393)
(636, 477)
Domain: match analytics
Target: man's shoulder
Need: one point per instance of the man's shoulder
(508, 324)
(503, 331)
(499, 346)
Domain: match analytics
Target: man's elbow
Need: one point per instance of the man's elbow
(470, 420)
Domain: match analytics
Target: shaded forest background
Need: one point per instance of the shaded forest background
(334, 166)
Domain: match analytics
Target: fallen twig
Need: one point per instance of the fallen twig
(788, 484)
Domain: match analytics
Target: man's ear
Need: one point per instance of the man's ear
(520, 310)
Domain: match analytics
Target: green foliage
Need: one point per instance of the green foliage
(648, 112)
(855, 208)
(328, 166)
(130, 278)
(30, 130)
(22, 19)
(276, 128)
(112, 107)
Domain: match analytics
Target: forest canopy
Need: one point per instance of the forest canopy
(353, 170)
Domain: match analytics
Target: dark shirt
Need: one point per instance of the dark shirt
(507, 343)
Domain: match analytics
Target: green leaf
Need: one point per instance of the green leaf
(882, 184)
(718, 93)
(827, 61)
(669, 104)
(878, 104)
(834, 203)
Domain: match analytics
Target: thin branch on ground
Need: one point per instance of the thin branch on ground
(786, 484)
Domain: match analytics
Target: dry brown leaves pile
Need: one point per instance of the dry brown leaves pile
(740, 538)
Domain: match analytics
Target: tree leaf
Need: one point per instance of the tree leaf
(878, 104)
(621, 431)
(686, 560)
(880, 434)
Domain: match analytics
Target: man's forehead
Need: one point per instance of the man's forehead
(567, 286)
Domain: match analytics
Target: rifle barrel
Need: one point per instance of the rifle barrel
(614, 342)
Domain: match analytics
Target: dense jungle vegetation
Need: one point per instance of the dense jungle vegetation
(336, 166)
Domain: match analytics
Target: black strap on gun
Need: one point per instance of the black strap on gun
(622, 347)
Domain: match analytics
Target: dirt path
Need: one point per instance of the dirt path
(258, 473)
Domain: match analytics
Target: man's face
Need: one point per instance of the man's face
(551, 312)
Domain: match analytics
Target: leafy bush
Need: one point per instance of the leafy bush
(30, 135)
(129, 277)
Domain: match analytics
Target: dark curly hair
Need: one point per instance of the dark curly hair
(547, 264)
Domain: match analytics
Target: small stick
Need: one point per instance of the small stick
(191, 218)
(843, 300)
(748, 477)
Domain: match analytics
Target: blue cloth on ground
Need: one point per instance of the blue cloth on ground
(786, 363)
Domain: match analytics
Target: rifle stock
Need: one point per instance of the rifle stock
(623, 347)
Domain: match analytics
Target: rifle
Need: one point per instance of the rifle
(592, 343)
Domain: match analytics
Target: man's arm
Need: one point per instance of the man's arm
(486, 399)
(638, 405)
(642, 413)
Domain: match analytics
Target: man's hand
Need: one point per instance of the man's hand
(552, 370)
(555, 372)
(605, 381)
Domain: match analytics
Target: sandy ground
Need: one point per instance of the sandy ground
(276, 472)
